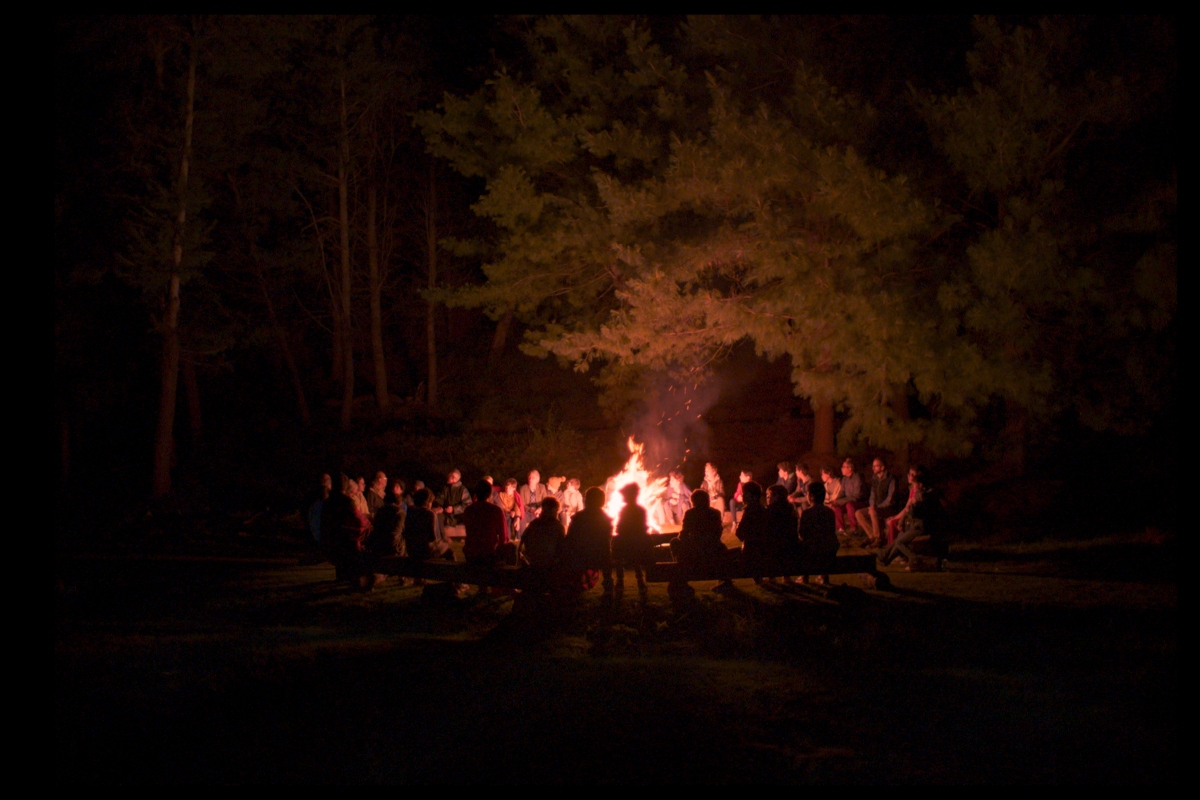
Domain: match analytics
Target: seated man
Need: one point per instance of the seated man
(532, 494)
(799, 496)
(542, 545)
(699, 543)
(848, 502)
(510, 503)
(484, 522)
(880, 503)
(420, 540)
(926, 517)
(587, 550)
(914, 496)
(786, 479)
(818, 532)
(738, 503)
(453, 501)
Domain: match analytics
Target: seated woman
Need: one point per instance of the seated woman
(715, 487)
(699, 543)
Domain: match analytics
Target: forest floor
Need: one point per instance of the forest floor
(1043, 662)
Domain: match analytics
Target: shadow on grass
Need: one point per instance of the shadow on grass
(235, 673)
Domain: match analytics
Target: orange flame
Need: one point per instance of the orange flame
(652, 489)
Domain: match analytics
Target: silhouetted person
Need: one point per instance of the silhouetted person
(336, 509)
(699, 542)
(314, 505)
(754, 531)
(485, 527)
(387, 530)
(818, 533)
(914, 496)
(782, 525)
(588, 546)
(542, 545)
(419, 536)
(632, 546)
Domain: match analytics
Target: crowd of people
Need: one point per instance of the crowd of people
(566, 538)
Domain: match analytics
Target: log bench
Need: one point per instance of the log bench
(849, 561)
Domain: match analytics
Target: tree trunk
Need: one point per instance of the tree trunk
(431, 315)
(280, 334)
(164, 437)
(344, 218)
(382, 398)
(499, 338)
(823, 428)
(191, 391)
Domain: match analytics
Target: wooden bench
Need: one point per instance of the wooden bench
(849, 561)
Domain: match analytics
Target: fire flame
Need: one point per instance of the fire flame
(652, 489)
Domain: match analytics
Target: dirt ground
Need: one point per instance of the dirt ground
(1013, 666)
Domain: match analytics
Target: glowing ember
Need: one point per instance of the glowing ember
(651, 496)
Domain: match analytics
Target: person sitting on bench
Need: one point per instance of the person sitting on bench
(880, 503)
(782, 524)
(754, 533)
(420, 539)
(699, 543)
(484, 522)
(925, 517)
(587, 550)
(818, 532)
(542, 545)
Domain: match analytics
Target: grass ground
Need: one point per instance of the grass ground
(186, 669)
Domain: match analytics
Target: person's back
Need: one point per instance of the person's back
(589, 539)
(485, 527)
(702, 529)
(388, 529)
(782, 523)
(542, 543)
(419, 532)
(632, 531)
(818, 532)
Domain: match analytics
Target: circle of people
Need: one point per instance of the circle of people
(556, 529)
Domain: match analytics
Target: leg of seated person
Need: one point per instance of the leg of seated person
(864, 521)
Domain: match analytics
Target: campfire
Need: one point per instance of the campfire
(651, 496)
